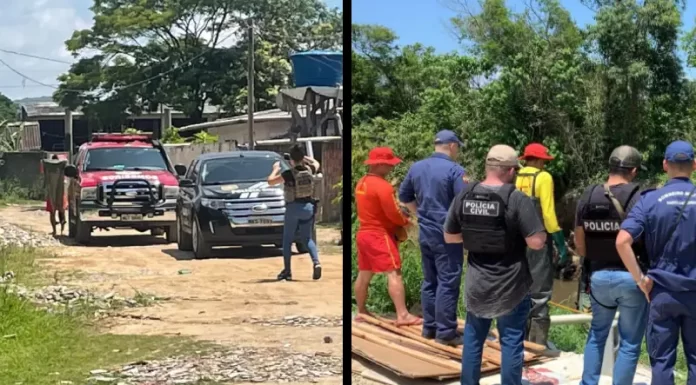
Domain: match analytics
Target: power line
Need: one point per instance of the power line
(34, 56)
(176, 67)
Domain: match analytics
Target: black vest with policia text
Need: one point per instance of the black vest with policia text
(486, 231)
(601, 220)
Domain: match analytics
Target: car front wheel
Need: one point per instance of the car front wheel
(201, 249)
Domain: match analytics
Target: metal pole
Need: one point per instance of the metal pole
(69, 134)
(250, 86)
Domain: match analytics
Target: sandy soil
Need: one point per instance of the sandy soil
(209, 299)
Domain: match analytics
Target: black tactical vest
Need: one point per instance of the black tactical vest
(601, 220)
(485, 228)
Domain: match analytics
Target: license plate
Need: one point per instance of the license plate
(131, 217)
(260, 221)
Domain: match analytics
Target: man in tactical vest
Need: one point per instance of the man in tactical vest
(665, 219)
(538, 184)
(300, 207)
(598, 217)
(428, 190)
(496, 223)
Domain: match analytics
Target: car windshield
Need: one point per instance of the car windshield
(124, 158)
(237, 169)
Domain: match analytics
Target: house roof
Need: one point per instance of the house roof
(261, 116)
(37, 109)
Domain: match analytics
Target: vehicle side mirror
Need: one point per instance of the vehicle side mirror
(180, 169)
(70, 171)
(186, 183)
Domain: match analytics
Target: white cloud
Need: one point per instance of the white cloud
(37, 27)
(41, 27)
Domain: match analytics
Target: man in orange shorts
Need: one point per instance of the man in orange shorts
(380, 219)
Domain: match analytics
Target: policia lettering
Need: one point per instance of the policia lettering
(484, 226)
(601, 218)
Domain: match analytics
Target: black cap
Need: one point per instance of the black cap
(626, 157)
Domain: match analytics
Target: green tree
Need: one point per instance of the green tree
(8, 109)
(207, 40)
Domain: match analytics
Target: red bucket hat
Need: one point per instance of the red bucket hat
(536, 150)
(382, 155)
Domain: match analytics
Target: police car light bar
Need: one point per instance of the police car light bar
(145, 137)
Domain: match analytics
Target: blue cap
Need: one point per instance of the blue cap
(679, 151)
(446, 137)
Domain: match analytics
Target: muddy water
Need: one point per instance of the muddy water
(565, 292)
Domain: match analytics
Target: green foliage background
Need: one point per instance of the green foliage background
(528, 76)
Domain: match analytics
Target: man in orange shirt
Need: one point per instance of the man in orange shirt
(380, 219)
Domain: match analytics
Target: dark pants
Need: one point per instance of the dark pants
(542, 270)
(511, 330)
(442, 278)
(670, 314)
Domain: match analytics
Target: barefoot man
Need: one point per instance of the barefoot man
(380, 220)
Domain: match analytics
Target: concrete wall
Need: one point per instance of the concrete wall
(262, 130)
(25, 168)
(187, 153)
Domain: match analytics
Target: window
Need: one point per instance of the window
(124, 158)
(234, 170)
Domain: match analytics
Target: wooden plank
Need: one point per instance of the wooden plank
(405, 341)
(410, 352)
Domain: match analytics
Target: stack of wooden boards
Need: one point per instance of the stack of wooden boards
(405, 352)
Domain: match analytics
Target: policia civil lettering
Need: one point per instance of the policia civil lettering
(601, 219)
(484, 226)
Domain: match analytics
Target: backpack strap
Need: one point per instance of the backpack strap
(534, 177)
(505, 192)
(621, 209)
(469, 188)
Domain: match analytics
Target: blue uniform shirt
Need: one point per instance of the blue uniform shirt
(672, 262)
(433, 183)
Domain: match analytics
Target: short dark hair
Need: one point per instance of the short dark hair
(683, 167)
(297, 153)
(620, 171)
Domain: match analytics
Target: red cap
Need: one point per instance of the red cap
(382, 155)
(536, 150)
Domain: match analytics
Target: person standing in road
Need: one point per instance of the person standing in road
(665, 219)
(381, 220)
(428, 190)
(495, 223)
(300, 207)
(538, 184)
(599, 214)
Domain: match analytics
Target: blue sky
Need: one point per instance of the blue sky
(427, 21)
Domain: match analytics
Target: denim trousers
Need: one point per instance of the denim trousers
(298, 225)
(612, 291)
(511, 328)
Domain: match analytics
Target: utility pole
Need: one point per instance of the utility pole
(69, 134)
(250, 85)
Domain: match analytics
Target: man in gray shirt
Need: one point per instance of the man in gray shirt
(496, 223)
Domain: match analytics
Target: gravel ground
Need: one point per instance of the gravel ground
(297, 321)
(239, 365)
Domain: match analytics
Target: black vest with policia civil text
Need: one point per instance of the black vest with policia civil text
(486, 230)
(601, 221)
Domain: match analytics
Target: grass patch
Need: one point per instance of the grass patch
(12, 192)
(36, 345)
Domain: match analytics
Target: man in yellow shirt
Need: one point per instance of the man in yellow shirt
(538, 184)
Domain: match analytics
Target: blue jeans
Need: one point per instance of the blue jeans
(299, 218)
(617, 290)
(511, 328)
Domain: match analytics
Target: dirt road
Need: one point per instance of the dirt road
(213, 299)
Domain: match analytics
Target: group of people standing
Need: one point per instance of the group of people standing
(640, 247)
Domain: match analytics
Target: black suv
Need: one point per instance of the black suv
(225, 200)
